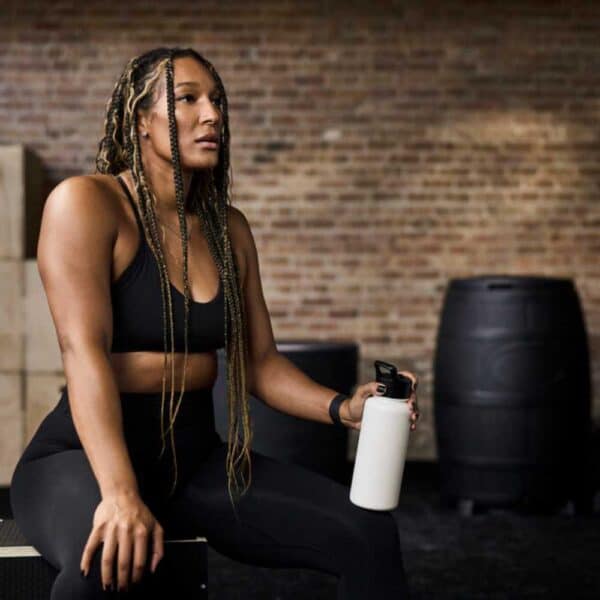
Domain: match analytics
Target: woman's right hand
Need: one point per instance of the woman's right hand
(123, 520)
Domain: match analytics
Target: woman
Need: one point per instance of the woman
(151, 239)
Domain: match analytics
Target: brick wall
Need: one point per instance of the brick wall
(378, 149)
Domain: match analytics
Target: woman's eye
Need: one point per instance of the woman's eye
(216, 100)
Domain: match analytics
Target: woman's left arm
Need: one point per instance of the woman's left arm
(273, 378)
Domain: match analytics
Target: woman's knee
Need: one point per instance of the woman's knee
(71, 584)
(376, 531)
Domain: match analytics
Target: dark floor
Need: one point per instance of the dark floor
(492, 554)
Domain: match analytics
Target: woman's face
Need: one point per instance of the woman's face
(197, 113)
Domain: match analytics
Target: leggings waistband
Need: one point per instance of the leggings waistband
(195, 407)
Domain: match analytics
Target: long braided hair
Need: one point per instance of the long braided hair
(208, 197)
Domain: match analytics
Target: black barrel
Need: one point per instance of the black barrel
(511, 391)
(318, 446)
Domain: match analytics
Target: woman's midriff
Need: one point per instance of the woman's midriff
(142, 372)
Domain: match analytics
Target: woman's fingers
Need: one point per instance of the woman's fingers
(124, 558)
(123, 524)
(414, 411)
(108, 557)
(412, 377)
(158, 542)
(140, 554)
(370, 389)
(413, 419)
(88, 551)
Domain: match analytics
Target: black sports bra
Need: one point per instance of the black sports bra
(137, 307)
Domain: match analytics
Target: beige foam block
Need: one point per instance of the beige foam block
(11, 424)
(42, 352)
(11, 315)
(41, 396)
(22, 197)
(12, 201)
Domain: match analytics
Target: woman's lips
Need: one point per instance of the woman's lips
(207, 145)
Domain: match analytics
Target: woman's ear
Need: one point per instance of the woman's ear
(142, 130)
(143, 125)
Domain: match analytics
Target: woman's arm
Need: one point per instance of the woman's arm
(282, 385)
(78, 231)
(273, 378)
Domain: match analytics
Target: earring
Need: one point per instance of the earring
(145, 134)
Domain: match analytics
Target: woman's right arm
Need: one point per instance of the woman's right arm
(78, 231)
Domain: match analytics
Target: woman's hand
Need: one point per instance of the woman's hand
(351, 410)
(123, 521)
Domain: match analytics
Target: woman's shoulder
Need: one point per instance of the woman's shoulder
(239, 229)
(81, 187)
(238, 225)
(94, 192)
(96, 184)
(88, 197)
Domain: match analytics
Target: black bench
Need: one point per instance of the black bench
(25, 574)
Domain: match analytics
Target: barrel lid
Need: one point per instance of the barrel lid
(507, 282)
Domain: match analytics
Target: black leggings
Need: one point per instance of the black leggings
(290, 517)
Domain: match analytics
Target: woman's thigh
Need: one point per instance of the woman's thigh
(53, 499)
(290, 517)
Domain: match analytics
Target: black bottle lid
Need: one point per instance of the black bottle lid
(397, 385)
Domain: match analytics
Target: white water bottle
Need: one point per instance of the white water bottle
(382, 443)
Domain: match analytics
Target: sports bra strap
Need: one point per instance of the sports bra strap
(132, 202)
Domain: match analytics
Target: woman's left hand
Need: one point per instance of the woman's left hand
(351, 410)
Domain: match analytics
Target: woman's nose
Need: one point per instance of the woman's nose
(210, 112)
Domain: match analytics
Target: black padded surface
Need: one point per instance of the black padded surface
(182, 573)
(10, 534)
(27, 578)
